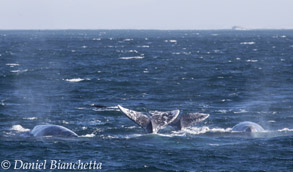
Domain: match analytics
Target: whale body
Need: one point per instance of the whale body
(52, 130)
(151, 123)
(248, 126)
(188, 120)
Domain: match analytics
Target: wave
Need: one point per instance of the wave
(247, 43)
(172, 41)
(88, 135)
(12, 64)
(252, 61)
(19, 71)
(285, 129)
(110, 108)
(76, 79)
(31, 118)
(129, 58)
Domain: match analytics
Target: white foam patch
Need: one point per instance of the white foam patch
(12, 64)
(285, 129)
(202, 130)
(252, 61)
(196, 131)
(76, 79)
(88, 135)
(247, 43)
(31, 118)
(143, 46)
(19, 71)
(129, 58)
(19, 128)
(132, 51)
(241, 111)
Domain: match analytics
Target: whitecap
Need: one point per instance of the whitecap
(74, 80)
(222, 111)
(88, 135)
(96, 39)
(144, 46)
(251, 61)
(19, 128)
(19, 71)
(31, 118)
(129, 58)
(285, 129)
(132, 51)
(12, 64)
(247, 43)
(204, 129)
(128, 39)
(241, 111)
(173, 41)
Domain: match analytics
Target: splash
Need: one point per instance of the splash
(19, 128)
(88, 135)
(285, 129)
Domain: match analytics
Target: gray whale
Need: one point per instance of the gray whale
(157, 120)
(248, 126)
(188, 120)
(52, 130)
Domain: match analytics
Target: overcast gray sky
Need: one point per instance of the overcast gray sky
(145, 14)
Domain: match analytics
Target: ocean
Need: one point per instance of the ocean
(76, 79)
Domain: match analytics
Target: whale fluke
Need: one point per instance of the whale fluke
(153, 123)
(248, 126)
(188, 120)
(52, 130)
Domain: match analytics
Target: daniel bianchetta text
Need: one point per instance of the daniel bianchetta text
(57, 165)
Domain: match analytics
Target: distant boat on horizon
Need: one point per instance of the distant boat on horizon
(238, 28)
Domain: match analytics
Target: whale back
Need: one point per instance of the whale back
(248, 126)
(52, 130)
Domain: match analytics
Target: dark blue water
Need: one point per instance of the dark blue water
(55, 77)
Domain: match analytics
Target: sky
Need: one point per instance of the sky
(146, 14)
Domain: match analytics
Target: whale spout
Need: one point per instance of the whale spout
(152, 123)
(248, 126)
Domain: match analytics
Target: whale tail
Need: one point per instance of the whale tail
(153, 123)
(189, 119)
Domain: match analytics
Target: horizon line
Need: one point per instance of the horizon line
(63, 29)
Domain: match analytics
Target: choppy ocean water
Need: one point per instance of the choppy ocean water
(55, 77)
